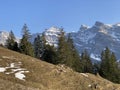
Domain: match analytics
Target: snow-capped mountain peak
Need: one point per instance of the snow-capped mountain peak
(94, 39)
(53, 29)
(97, 37)
(117, 24)
(51, 35)
(84, 27)
(97, 23)
(3, 37)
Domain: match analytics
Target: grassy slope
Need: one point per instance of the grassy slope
(45, 76)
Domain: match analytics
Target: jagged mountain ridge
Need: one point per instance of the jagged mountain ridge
(96, 38)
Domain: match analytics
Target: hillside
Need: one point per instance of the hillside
(21, 72)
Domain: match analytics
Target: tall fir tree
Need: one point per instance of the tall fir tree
(62, 49)
(11, 43)
(26, 32)
(87, 66)
(49, 53)
(67, 53)
(104, 66)
(108, 67)
(74, 55)
(38, 47)
(25, 46)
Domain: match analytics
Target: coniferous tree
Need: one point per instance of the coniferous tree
(63, 53)
(74, 55)
(67, 53)
(25, 46)
(87, 66)
(16, 47)
(38, 47)
(104, 67)
(11, 43)
(108, 67)
(49, 53)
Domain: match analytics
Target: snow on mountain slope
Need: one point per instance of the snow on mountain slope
(96, 38)
(3, 37)
(51, 35)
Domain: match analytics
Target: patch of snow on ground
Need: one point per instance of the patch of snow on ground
(5, 57)
(12, 65)
(18, 69)
(84, 74)
(15, 69)
(20, 75)
(2, 69)
(89, 85)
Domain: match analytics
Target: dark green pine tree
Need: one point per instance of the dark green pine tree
(16, 47)
(11, 43)
(49, 53)
(63, 54)
(25, 46)
(114, 70)
(75, 63)
(87, 66)
(108, 67)
(38, 47)
(67, 53)
(104, 66)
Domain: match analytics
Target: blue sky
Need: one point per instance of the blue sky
(42, 14)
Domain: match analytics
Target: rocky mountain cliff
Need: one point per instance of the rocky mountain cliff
(94, 39)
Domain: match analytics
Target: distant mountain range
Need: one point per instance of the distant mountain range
(94, 39)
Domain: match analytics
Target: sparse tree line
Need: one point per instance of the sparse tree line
(66, 54)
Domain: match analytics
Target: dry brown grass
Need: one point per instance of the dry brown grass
(45, 76)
